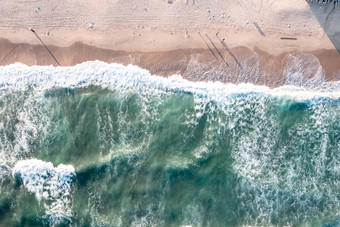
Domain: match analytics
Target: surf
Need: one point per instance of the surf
(105, 143)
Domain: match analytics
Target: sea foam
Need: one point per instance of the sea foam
(51, 185)
(114, 76)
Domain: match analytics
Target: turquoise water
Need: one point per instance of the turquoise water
(108, 145)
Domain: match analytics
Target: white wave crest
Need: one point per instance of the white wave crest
(51, 185)
(113, 76)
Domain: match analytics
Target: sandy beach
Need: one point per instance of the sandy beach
(255, 41)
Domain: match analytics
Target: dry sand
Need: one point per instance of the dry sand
(179, 36)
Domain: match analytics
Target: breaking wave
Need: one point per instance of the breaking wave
(113, 145)
(51, 185)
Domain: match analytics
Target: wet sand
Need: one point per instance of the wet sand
(243, 66)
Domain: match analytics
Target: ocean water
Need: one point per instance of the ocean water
(108, 145)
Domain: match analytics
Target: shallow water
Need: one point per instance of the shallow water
(108, 145)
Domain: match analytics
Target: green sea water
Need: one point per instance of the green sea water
(141, 156)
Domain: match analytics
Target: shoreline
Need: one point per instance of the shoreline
(238, 65)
